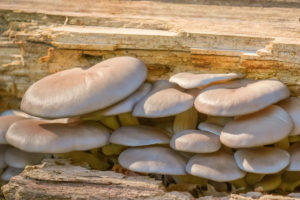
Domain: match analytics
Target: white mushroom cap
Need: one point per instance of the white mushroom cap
(210, 127)
(292, 106)
(2, 159)
(262, 160)
(295, 158)
(165, 99)
(139, 136)
(78, 91)
(5, 123)
(127, 104)
(159, 160)
(195, 141)
(42, 136)
(240, 97)
(19, 159)
(189, 80)
(261, 128)
(219, 166)
(10, 172)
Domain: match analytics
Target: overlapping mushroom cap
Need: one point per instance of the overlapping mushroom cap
(78, 91)
(160, 160)
(139, 136)
(295, 158)
(261, 128)
(240, 97)
(292, 106)
(5, 123)
(210, 127)
(189, 80)
(262, 160)
(195, 141)
(43, 136)
(165, 99)
(219, 166)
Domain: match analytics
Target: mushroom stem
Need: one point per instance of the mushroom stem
(283, 144)
(110, 122)
(185, 120)
(295, 138)
(240, 183)
(112, 149)
(291, 176)
(189, 179)
(219, 120)
(95, 162)
(252, 178)
(126, 119)
(289, 186)
(268, 183)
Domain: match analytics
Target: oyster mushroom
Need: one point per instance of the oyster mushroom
(240, 97)
(79, 91)
(5, 123)
(10, 172)
(188, 80)
(264, 127)
(210, 127)
(44, 136)
(158, 160)
(195, 141)
(139, 136)
(165, 99)
(262, 160)
(295, 158)
(218, 166)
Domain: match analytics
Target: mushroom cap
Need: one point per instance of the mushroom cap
(2, 159)
(78, 91)
(210, 127)
(189, 80)
(159, 160)
(127, 104)
(295, 158)
(261, 128)
(195, 141)
(165, 99)
(262, 160)
(5, 123)
(139, 136)
(10, 172)
(19, 159)
(240, 97)
(43, 136)
(219, 166)
(292, 106)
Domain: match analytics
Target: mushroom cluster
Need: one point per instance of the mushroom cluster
(201, 129)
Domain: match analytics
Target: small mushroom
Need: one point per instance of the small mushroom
(139, 136)
(210, 127)
(295, 158)
(79, 91)
(219, 166)
(264, 127)
(188, 80)
(195, 141)
(158, 160)
(292, 106)
(262, 160)
(44, 136)
(5, 123)
(165, 99)
(240, 97)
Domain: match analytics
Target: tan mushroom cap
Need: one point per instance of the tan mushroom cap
(159, 160)
(195, 141)
(5, 123)
(139, 136)
(262, 160)
(78, 91)
(42, 136)
(10, 172)
(219, 166)
(165, 99)
(292, 106)
(189, 80)
(19, 159)
(257, 129)
(240, 97)
(295, 158)
(127, 104)
(210, 127)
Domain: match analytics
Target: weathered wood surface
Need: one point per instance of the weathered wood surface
(39, 38)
